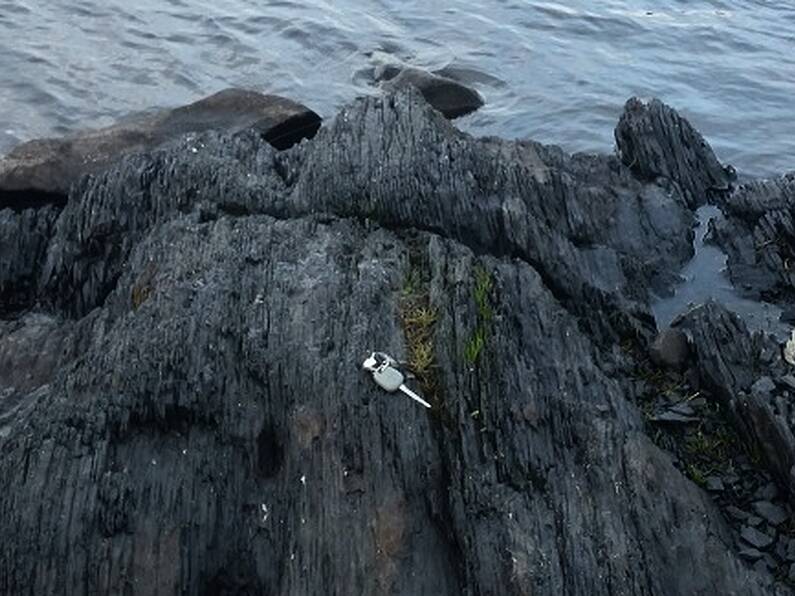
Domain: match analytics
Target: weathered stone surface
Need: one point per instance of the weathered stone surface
(655, 141)
(208, 428)
(45, 169)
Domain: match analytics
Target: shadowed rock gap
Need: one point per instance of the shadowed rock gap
(19, 200)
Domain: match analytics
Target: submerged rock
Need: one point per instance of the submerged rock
(447, 95)
(207, 428)
(44, 169)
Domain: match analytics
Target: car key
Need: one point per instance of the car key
(388, 377)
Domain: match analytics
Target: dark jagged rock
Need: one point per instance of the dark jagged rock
(24, 237)
(447, 95)
(43, 170)
(736, 365)
(206, 427)
(758, 235)
(655, 141)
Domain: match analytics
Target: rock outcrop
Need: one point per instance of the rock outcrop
(655, 141)
(199, 423)
(43, 170)
(758, 235)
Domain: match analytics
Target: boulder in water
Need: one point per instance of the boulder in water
(43, 170)
(450, 97)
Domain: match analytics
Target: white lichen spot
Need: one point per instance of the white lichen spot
(303, 479)
(265, 513)
(789, 349)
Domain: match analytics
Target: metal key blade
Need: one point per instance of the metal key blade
(414, 396)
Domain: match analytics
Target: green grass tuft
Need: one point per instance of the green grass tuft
(481, 293)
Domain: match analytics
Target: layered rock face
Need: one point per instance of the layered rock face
(758, 234)
(194, 418)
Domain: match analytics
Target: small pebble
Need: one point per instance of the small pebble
(753, 520)
(791, 550)
(771, 563)
(714, 484)
(761, 567)
(788, 380)
(750, 554)
(755, 538)
(736, 513)
(683, 409)
(774, 514)
(763, 388)
(731, 479)
(767, 492)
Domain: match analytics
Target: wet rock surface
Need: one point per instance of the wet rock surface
(441, 90)
(197, 421)
(43, 170)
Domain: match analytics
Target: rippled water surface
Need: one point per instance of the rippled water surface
(557, 72)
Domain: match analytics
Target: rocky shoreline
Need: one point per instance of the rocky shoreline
(182, 408)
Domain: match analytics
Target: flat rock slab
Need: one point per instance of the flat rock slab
(51, 166)
(750, 554)
(714, 484)
(672, 417)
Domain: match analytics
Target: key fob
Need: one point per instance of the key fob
(388, 378)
